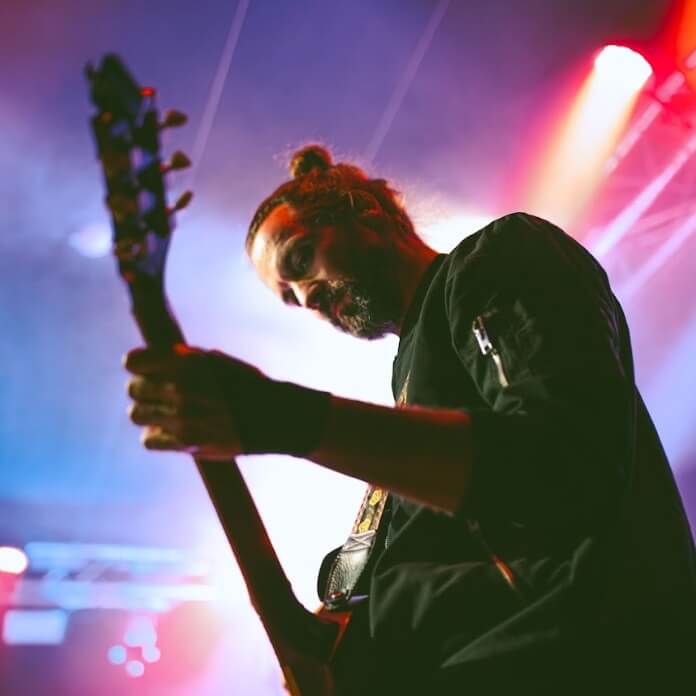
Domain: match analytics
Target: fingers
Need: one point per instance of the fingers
(150, 361)
(156, 438)
(181, 398)
(154, 414)
(174, 417)
(196, 440)
(147, 389)
(189, 424)
(161, 440)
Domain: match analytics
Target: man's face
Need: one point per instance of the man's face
(344, 274)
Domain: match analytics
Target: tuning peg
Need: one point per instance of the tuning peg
(121, 206)
(181, 202)
(128, 250)
(179, 160)
(173, 119)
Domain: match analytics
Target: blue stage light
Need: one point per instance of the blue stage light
(117, 654)
(135, 668)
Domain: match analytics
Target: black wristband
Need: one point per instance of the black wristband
(285, 418)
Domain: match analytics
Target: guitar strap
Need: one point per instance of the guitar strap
(354, 555)
(351, 560)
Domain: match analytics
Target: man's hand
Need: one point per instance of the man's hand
(216, 407)
(186, 398)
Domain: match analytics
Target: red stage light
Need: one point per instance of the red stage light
(575, 159)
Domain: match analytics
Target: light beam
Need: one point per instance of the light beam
(574, 163)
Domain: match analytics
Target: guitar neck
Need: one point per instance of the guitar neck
(126, 127)
(282, 615)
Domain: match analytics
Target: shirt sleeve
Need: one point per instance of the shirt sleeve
(551, 361)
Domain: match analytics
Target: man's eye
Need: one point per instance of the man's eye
(301, 260)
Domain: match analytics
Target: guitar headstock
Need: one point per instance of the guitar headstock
(126, 127)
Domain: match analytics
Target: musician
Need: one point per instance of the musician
(533, 539)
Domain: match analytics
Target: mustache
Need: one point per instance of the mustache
(327, 297)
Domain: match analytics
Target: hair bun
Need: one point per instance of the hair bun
(309, 158)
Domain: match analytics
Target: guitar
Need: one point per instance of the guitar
(126, 128)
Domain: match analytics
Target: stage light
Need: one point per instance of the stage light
(622, 66)
(135, 668)
(117, 654)
(92, 241)
(575, 159)
(35, 626)
(151, 653)
(685, 40)
(690, 60)
(12, 560)
(141, 631)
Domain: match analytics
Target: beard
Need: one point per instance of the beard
(364, 305)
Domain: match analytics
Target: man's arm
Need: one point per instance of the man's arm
(552, 449)
(209, 404)
(422, 454)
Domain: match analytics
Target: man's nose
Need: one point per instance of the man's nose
(308, 295)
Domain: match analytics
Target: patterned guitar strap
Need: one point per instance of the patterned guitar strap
(355, 553)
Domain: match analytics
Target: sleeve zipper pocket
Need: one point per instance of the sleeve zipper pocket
(487, 348)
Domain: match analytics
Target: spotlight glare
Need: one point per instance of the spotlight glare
(151, 653)
(135, 668)
(92, 241)
(622, 65)
(449, 230)
(117, 655)
(577, 155)
(13, 561)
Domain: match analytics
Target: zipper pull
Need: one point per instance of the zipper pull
(487, 348)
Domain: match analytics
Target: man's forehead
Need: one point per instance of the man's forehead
(277, 228)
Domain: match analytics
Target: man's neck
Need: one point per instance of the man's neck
(416, 260)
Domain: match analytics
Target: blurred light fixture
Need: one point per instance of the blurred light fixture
(690, 60)
(135, 668)
(92, 241)
(12, 560)
(575, 159)
(141, 632)
(117, 654)
(623, 66)
(139, 646)
(34, 626)
(151, 653)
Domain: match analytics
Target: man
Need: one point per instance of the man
(534, 539)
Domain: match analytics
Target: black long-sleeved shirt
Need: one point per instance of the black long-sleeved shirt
(572, 554)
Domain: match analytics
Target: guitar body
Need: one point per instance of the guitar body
(126, 128)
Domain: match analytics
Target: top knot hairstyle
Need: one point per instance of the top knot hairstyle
(340, 192)
(308, 159)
